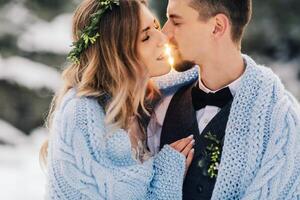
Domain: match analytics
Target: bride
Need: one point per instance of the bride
(97, 147)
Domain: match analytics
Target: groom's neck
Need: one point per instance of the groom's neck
(222, 69)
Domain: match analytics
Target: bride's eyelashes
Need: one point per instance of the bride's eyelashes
(156, 26)
(146, 38)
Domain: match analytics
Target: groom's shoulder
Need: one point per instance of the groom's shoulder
(258, 72)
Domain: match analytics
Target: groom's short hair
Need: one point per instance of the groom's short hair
(238, 12)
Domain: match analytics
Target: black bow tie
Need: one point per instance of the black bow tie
(201, 99)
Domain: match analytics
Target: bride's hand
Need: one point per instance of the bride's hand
(185, 147)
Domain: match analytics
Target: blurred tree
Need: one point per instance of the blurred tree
(24, 108)
(159, 7)
(8, 45)
(2, 2)
(48, 9)
(274, 30)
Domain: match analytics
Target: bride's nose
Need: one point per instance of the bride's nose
(167, 30)
(163, 40)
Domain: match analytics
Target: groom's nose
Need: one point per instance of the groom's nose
(167, 29)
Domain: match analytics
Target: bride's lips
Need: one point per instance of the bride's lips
(161, 57)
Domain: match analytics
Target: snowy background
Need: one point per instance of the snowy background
(34, 41)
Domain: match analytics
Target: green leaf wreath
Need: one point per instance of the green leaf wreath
(90, 33)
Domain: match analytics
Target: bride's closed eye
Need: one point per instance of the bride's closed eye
(147, 36)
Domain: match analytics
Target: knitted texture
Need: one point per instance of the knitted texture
(171, 82)
(89, 160)
(261, 153)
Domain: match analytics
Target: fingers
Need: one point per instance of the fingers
(181, 140)
(181, 144)
(177, 142)
(185, 147)
(188, 148)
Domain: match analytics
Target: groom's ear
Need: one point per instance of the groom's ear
(221, 25)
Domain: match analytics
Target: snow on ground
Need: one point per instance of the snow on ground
(20, 171)
(45, 36)
(29, 74)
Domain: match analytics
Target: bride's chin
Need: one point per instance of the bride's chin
(168, 68)
(162, 71)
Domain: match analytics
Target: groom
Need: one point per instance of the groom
(245, 124)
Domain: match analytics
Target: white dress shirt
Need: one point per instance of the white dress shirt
(204, 115)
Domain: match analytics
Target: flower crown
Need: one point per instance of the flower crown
(90, 33)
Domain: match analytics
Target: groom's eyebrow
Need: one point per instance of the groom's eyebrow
(174, 16)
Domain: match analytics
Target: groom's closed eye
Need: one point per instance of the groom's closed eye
(175, 23)
(175, 19)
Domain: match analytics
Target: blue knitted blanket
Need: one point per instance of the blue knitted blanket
(260, 158)
(261, 153)
(88, 160)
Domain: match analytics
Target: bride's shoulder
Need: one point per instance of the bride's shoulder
(72, 97)
(80, 109)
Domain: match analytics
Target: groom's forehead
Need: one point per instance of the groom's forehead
(178, 7)
(177, 3)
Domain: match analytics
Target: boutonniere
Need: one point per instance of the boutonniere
(211, 156)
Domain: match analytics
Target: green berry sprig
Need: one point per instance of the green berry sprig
(215, 154)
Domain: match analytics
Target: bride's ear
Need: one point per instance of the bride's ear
(221, 25)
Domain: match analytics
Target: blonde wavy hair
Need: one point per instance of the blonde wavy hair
(110, 66)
